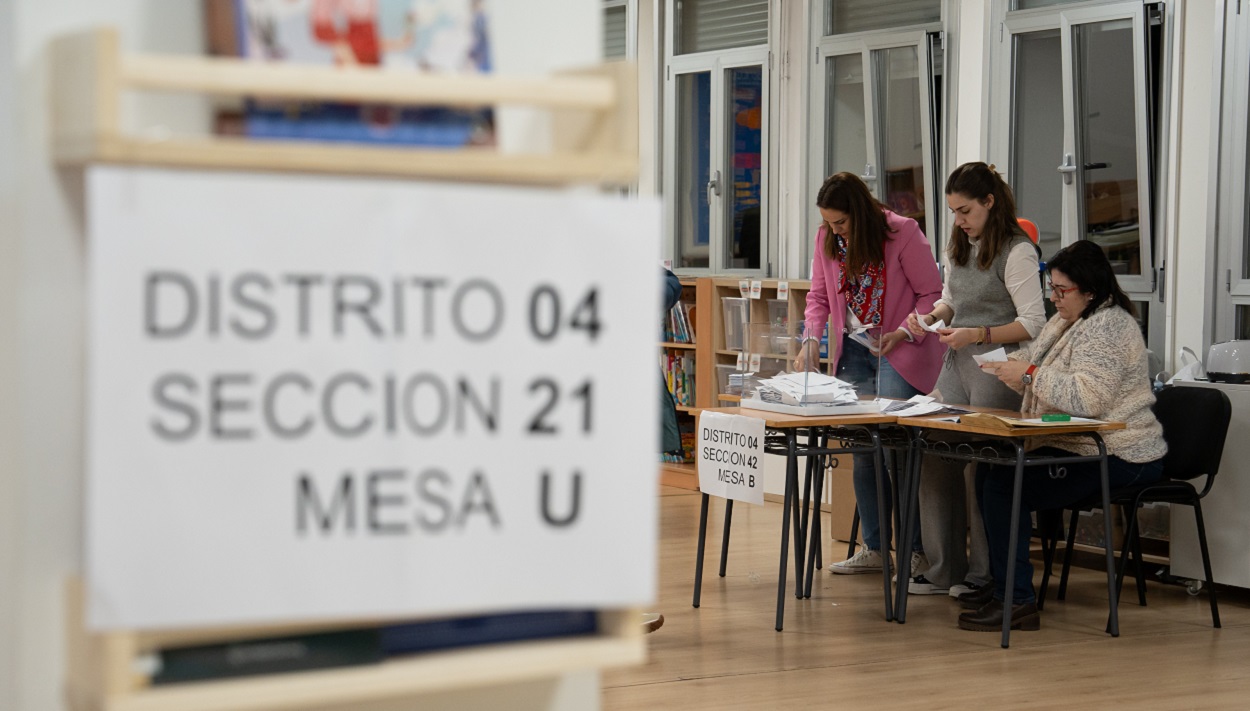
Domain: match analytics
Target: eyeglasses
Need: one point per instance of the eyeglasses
(1060, 291)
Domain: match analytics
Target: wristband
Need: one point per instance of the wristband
(989, 335)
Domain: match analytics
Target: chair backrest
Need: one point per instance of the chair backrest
(1030, 228)
(1195, 424)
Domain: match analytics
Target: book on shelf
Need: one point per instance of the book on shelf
(679, 374)
(271, 655)
(353, 647)
(433, 36)
(678, 328)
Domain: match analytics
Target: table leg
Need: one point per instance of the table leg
(724, 541)
(792, 485)
(814, 542)
(909, 487)
(802, 518)
(698, 558)
(1113, 593)
(1012, 540)
(882, 515)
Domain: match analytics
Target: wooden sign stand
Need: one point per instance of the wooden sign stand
(595, 142)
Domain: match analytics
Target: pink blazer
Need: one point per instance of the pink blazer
(911, 283)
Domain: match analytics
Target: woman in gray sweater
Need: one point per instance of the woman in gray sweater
(1089, 361)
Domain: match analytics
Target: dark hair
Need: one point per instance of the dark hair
(978, 181)
(845, 192)
(1086, 265)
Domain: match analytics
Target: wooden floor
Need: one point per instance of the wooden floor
(837, 651)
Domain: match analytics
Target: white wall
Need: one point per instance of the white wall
(41, 318)
(972, 41)
(1191, 190)
(10, 490)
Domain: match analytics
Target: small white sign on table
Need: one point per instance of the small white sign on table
(315, 398)
(731, 453)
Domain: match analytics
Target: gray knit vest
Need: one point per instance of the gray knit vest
(981, 297)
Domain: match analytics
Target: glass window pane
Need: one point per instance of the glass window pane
(694, 145)
(846, 131)
(1245, 216)
(614, 32)
(743, 131)
(1241, 328)
(1030, 4)
(704, 25)
(898, 125)
(843, 16)
(1108, 140)
(1037, 138)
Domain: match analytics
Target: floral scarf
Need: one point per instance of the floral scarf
(865, 294)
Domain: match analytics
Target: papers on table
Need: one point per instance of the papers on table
(1000, 422)
(806, 388)
(998, 355)
(918, 406)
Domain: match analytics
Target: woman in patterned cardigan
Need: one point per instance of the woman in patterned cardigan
(1090, 361)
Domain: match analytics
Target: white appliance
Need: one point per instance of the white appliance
(1226, 510)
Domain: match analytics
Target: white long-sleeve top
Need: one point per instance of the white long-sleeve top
(1020, 278)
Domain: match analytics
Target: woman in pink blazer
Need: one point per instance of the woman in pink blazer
(870, 270)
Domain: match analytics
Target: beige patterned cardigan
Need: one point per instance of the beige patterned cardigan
(1096, 367)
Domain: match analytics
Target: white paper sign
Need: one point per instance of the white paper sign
(315, 398)
(744, 288)
(783, 290)
(756, 289)
(731, 453)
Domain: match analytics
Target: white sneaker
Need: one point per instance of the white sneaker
(920, 585)
(919, 564)
(966, 586)
(864, 561)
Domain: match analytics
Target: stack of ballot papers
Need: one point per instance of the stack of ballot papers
(806, 388)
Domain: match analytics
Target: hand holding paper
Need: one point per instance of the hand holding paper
(998, 355)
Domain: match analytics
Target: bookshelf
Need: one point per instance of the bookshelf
(594, 115)
(103, 675)
(684, 475)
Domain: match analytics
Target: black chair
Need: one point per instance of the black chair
(1195, 423)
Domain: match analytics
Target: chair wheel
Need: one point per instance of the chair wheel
(1193, 586)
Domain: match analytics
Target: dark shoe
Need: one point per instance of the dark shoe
(652, 621)
(976, 599)
(990, 618)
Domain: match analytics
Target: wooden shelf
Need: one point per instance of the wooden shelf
(670, 344)
(594, 116)
(102, 674)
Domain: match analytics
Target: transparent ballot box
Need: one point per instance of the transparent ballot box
(737, 312)
(773, 386)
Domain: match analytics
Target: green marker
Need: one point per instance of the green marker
(1056, 417)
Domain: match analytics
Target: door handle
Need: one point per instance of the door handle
(868, 175)
(1067, 168)
(713, 186)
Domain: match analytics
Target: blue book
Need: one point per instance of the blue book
(413, 637)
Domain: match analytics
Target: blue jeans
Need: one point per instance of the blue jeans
(858, 366)
(1040, 490)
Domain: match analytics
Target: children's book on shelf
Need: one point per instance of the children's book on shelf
(419, 36)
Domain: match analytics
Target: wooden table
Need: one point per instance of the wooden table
(789, 426)
(1015, 441)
